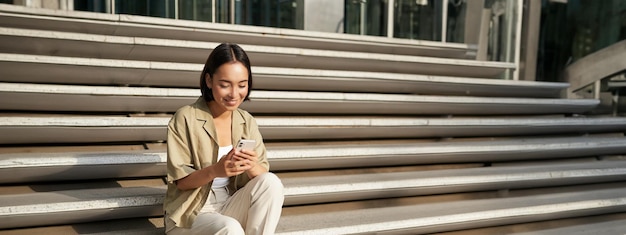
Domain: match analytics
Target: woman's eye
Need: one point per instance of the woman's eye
(224, 86)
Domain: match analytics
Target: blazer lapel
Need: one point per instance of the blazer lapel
(203, 114)
(237, 126)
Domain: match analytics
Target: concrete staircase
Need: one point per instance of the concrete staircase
(368, 134)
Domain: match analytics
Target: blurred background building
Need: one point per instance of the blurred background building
(380, 116)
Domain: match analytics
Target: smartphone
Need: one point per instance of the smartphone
(245, 144)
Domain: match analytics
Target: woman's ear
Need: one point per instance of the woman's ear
(208, 80)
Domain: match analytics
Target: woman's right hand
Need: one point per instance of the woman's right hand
(227, 166)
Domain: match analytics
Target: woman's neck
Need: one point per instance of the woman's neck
(217, 112)
(222, 119)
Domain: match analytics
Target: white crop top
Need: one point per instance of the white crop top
(220, 182)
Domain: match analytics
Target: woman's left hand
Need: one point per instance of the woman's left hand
(251, 159)
(248, 156)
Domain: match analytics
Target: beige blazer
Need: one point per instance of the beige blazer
(192, 145)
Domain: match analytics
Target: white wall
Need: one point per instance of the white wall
(324, 15)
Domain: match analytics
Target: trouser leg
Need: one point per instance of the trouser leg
(258, 205)
(210, 221)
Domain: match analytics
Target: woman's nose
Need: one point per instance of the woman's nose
(233, 91)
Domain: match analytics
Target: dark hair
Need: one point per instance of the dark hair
(222, 54)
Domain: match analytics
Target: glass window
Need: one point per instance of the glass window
(455, 30)
(158, 8)
(276, 13)
(418, 19)
(502, 30)
(366, 17)
(93, 6)
(195, 10)
(222, 11)
(573, 29)
(598, 24)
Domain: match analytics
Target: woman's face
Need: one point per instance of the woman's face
(229, 86)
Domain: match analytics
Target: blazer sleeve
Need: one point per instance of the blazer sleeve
(179, 159)
(260, 146)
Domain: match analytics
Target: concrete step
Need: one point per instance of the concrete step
(315, 156)
(76, 70)
(45, 97)
(62, 166)
(28, 129)
(68, 166)
(135, 226)
(74, 206)
(325, 189)
(600, 224)
(130, 25)
(457, 215)
(44, 42)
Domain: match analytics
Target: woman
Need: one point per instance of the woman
(211, 187)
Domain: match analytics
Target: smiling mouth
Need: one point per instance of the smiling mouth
(230, 102)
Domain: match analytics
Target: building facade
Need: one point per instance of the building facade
(541, 37)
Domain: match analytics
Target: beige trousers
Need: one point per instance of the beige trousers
(253, 209)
